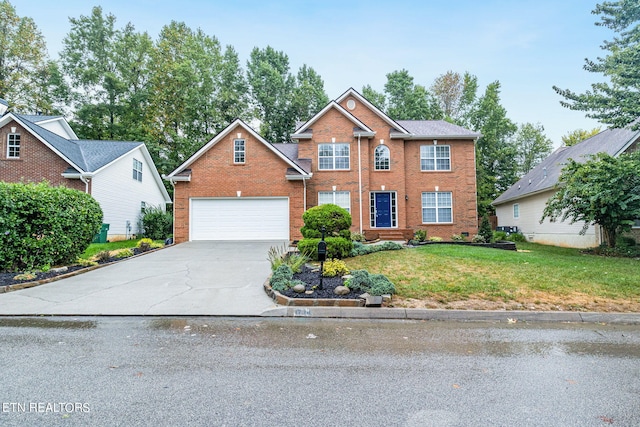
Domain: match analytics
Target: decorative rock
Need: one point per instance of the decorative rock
(341, 290)
(308, 292)
(299, 288)
(386, 298)
(364, 296)
(347, 277)
(59, 270)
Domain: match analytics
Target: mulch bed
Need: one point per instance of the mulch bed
(312, 278)
(8, 278)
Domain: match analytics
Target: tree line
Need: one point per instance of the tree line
(175, 91)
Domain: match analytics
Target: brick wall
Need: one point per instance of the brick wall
(36, 163)
(214, 174)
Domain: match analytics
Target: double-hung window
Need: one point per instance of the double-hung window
(333, 156)
(340, 198)
(238, 150)
(437, 207)
(13, 146)
(137, 170)
(435, 158)
(381, 158)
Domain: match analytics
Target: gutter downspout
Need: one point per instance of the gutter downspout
(304, 194)
(86, 180)
(360, 182)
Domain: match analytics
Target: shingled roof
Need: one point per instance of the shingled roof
(545, 175)
(86, 155)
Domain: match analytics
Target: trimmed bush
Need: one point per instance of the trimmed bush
(281, 278)
(44, 226)
(360, 249)
(335, 219)
(420, 235)
(156, 223)
(359, 282)
(337, 247)
(373, 284)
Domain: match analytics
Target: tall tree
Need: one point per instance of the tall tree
(616, 102)
(604, 190)
(309, 96)
(23, 60)
(376, 98)
(406, 100)
(185, 76)
(531, 146)
(455, 95)
(108, 70)
(233, 98)
(495, 156)
(578, 135)
(271, 87)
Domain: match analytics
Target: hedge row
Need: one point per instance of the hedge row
(43, 226)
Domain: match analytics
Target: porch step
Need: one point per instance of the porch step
(397, 234)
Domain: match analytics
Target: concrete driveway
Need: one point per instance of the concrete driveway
(194, 278)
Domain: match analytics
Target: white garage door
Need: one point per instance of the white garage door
(240, 219)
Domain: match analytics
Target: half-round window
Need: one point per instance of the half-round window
(382, 158)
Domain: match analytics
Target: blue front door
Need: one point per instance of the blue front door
(383, 209)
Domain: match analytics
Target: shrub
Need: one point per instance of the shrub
(125, 253)
(333, 218)
(373, 284)
(435, 239)
(103, 256)
(516, 237)
(280, 255)
(145, 244)
(380, 285)
(478, 239)
(335, 267)
(156, 223)
(420, 235)
(499, 235)
(337, 247)
(43, 225)
(358, 237)
(485, 229)
(625, 242)
(360, 249)
(458, 238)
(281, 278)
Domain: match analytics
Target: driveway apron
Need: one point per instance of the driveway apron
(194, 278)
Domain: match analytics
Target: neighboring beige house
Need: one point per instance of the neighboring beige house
(523, 203)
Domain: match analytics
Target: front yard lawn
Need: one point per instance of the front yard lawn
(537, 277)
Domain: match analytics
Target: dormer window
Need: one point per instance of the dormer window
(137, 170)
(382, 158)
(13, 146)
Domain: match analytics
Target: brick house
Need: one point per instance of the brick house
(121, 176)
(392, 176)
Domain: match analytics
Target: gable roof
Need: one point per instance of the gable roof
(361, 128)
(43, 121)
(178, 175)
(545, 175)
(400, 129)
(85, 157)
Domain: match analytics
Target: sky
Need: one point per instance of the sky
(528, 46)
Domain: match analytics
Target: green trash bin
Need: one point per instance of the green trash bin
(101, 237)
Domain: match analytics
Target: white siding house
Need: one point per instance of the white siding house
(123, 195)
(523, 203)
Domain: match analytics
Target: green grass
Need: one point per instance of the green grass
(94, 248)
(452, 272)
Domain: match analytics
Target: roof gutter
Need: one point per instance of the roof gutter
(84, 177)
(397, 135)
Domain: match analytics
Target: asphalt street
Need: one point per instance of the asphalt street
(193, 371)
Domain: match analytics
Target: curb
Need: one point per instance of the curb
(453, 315)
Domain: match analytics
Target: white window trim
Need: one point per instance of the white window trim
(516, 210)
(10, 146)
(333, 197)
(137, 172)
(375, 158)
(333, 156)
(435, 158)
(236, 151)
(436, 207)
